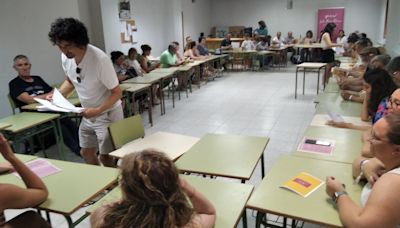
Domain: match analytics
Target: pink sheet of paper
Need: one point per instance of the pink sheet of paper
(41, 167)
(314, 148)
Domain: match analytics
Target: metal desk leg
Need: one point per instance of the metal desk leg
(262, 166)
(259, 218)
(150, 114)
(295, 84)
(304, 79)
(160, 88)
(318, 80)
(60, 141)
(173, 93)
(244, 218)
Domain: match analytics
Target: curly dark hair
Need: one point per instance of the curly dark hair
(70, 30)
(152, 194)
(382, 86)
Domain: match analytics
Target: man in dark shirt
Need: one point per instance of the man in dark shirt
(25, 87)
(226, 43)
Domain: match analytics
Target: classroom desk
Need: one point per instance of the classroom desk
(315, 45)
(334, 102)
(317, 207)
(347, 146)
(21, 157)
(173, 145)
(70, 189)
(229, 199)
(152, 79)
(332, 86)
(281, 53)
(134, 89)
(4, 125)
(225, 155)
(308, 66)
(25, 125)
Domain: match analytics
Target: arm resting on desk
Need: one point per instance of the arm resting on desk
(381, 209)
(14, 197)
(24, 97)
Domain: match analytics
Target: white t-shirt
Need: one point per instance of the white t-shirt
(278, 41)
(135, 64)
(97, 77)
(248, 45)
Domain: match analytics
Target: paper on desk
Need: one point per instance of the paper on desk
(41, 168)
(59, 104)
(321, 119)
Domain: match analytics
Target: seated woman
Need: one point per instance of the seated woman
(380, 201)
(145, 63)
(118, 60)
(14, 197)
(305, 53)
(378, 86)
(202, 47)
(393, 68)
(247, 44)
(132, 62)
(353, 86)
(191, 52)
(154, 196)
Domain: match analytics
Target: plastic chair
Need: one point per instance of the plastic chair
(12, 103)
(126, 130)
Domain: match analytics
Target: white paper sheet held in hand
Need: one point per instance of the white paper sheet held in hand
(59, 104)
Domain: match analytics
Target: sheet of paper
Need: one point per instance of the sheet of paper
(321, 119)
(316, 148)
(41, 168)
(59, 104)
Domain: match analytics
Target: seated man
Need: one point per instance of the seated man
(25, 87)
(168, 57)
(226, 43)
(277, 41)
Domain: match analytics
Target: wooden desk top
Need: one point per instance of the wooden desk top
(71, 188)
(334, 102)
(315, 45)
(25, 120)
(229, 199)
(317, 207)
(347, 146)
(311, 65)
(147, 79)
(225, 155)
(133, 88)
(4, 125)
(173, 145)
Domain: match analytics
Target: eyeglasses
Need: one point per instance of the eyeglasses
(78, 72)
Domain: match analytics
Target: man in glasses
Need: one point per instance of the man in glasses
(25, 87)
(90, 71)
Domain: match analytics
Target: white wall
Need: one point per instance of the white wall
(362, 15)
(24, 26)
(196, 18)
(156, 22)
(393, 35)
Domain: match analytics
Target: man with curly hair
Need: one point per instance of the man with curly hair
(90, 71)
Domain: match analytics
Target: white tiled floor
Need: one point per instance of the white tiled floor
(246, 103)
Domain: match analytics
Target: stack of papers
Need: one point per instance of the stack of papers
(59, 104)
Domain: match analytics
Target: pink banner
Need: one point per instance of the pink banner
(325, 16)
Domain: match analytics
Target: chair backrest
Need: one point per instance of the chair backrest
(126, 130)
(12, 103)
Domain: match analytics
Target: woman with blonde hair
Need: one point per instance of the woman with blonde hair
(154, 196)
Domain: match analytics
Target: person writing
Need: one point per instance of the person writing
(90, 71)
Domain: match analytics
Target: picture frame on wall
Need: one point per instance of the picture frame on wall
(124, 7)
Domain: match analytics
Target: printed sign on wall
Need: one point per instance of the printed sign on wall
(325, 16)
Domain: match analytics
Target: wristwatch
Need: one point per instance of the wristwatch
(336, 195)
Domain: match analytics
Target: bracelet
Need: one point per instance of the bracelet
(350, 97)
